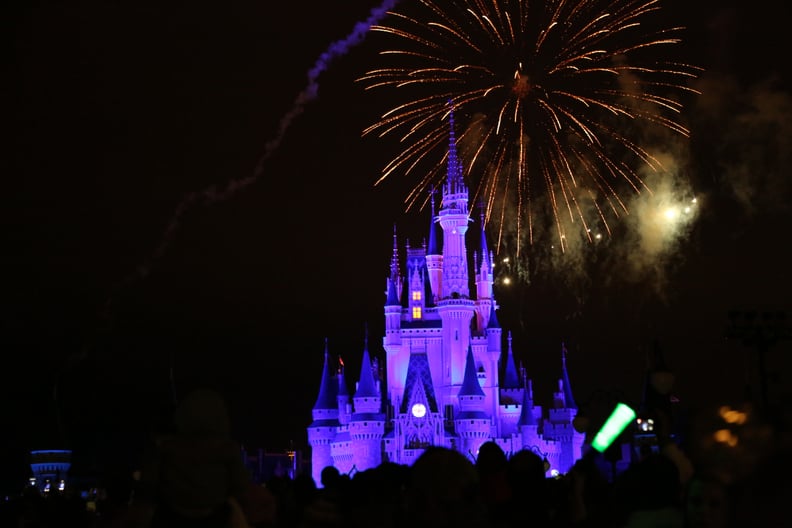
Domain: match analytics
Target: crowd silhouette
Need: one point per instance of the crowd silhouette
(193, 476)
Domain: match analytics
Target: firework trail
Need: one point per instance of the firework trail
(213, 194)
(553, 93)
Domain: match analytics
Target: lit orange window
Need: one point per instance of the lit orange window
(416, 312)
(416, 296)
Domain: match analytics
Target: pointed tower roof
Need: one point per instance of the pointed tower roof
(485, 260)
(568, 398)
(493, 319)
(455, 181)
(366, 387)
(435, 240)
(328, 390)
(511, 379)
(428, 295)
(392, 297)
(470, 383)
(526, 413)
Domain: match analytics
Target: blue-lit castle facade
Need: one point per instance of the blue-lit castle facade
(448, 378)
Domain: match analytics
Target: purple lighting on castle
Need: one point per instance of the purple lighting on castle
(443, 348)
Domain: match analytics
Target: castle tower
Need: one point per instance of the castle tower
(559, 425)
(368, 422)
(527, 423)
(455, 307)
(322, 430)
(473, 424)
(511, 393)
(434, 256)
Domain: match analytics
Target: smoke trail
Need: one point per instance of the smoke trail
(213, 194)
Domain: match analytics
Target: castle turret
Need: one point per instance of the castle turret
(473, 424)
(392, 298)
(527, 423)
(494, 331)
(368, 422)
(455, 307)
(322, 430)
(559, 426)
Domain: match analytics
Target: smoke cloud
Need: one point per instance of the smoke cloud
(214, 193)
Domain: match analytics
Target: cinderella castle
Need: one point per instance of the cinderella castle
(448, 381)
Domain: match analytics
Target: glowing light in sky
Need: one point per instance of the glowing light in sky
(551, 94)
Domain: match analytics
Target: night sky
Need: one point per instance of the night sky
(118, 110)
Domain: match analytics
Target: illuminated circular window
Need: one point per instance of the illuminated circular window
(419, 410)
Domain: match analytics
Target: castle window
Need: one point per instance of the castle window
(416, 296)
(416, 312)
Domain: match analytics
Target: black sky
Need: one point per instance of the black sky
(117, 110)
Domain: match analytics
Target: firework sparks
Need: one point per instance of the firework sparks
(550, 92)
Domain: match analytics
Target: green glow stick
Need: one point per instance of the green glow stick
(621, 416)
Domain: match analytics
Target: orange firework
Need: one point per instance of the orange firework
(549, 94)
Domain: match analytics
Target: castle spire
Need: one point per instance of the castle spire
(393, 286)
(394, 263)
(493, 319)
(511, 380)
(568, 399)
(433, 247)
(526, 413)
(328, 390)
(470, 383)
(485, 254)
(366, 386)
(455, 181)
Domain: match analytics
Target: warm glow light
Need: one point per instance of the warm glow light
(725, 436)
(732, 416)
(506, 280)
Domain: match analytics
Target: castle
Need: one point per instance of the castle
(444, 347)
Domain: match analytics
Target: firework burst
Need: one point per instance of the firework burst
(551, 94)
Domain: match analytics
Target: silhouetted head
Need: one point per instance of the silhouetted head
(443, 490)
(330, 477)
(526, 469)
(491, 458)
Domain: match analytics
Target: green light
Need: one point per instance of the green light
(621, 416)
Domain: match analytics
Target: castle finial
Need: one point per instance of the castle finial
(394, 266)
